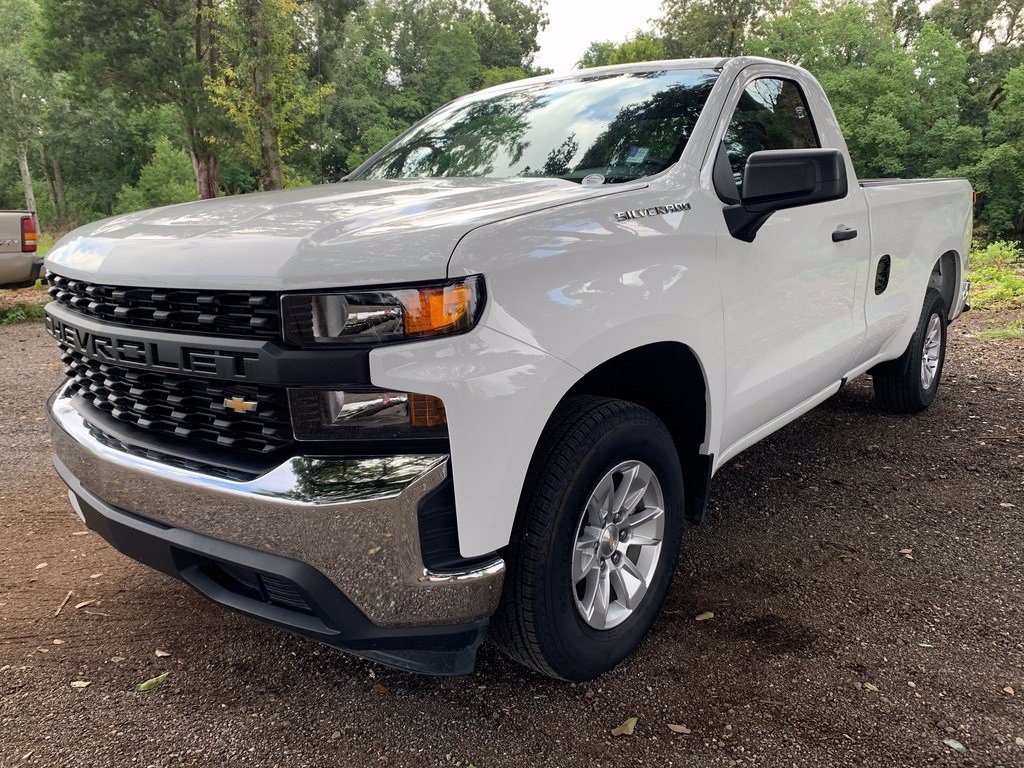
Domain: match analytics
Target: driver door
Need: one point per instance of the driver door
(791, 312)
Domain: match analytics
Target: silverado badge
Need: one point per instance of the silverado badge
(658, 210)
(239, 405)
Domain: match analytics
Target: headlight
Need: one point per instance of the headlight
(383, 316)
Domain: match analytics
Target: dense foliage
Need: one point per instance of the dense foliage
(112, 105)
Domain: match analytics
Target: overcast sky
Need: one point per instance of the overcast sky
(575, 24)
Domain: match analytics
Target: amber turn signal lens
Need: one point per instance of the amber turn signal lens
(426, 411)
(382, 316)
(439, 310)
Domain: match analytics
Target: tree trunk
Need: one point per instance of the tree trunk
(61, 192)
(26, 178)
(207, 169)
(270, 145)
(205, 160)
(50, 190)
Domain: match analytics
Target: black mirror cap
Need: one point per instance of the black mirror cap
(774, 180)
(788, 178)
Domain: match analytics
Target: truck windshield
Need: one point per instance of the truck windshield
(610, 128)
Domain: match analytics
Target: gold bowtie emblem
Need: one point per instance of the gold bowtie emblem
(238, 405)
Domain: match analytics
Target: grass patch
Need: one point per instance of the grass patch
(1013, 331)
(45, 243)
(23, 305)
(21, 313)
(997, 276)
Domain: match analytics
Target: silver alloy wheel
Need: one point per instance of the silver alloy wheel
(618, 544)
(932, 351)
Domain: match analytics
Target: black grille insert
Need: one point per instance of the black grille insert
(218, 313)
(152, 454)
(184, 407)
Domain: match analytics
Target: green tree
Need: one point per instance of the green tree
(401, 59)
(263, 81)
(165, 180)
(998, 173)
(506, 31)
(640, 46)
(453, 67)
(695, 28)
(22, 90)
(158, 53)
(90, 147)
(501, 75)
(598, 54)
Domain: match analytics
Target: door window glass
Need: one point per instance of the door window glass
(772, 114)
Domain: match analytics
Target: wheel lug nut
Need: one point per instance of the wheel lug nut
(603, 564)
(616, 558)
(623, 535)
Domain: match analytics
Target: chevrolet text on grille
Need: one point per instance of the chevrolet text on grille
(113, 349)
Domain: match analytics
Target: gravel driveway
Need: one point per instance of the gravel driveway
(864, 571)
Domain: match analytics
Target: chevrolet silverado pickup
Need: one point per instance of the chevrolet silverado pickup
(481, 385)
(19, 264)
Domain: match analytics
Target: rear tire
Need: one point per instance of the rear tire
(909, 384)
(592, 559)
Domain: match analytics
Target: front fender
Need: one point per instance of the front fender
(498, 393)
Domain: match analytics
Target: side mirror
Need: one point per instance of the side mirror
(785, 178)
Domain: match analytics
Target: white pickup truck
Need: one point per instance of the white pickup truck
(482, 384)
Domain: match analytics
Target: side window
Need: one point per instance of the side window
(772, 114)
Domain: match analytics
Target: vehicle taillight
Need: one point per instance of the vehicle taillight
(28, 234)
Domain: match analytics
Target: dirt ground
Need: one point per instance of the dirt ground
(865, 572)
(30, 295)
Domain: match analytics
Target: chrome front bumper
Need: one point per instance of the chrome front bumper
(354, 520)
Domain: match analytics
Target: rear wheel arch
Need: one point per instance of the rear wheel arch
(902, 385)
(945, 277)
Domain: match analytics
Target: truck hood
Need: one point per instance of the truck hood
(339, 235)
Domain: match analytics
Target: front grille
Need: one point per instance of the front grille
(183, 407)
(218, 313)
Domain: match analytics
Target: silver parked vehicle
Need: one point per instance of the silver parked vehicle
(19, 262)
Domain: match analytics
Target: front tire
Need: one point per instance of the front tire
(909, 384)
(601, 519)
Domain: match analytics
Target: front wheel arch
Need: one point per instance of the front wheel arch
(538, 622)
(677, 394)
